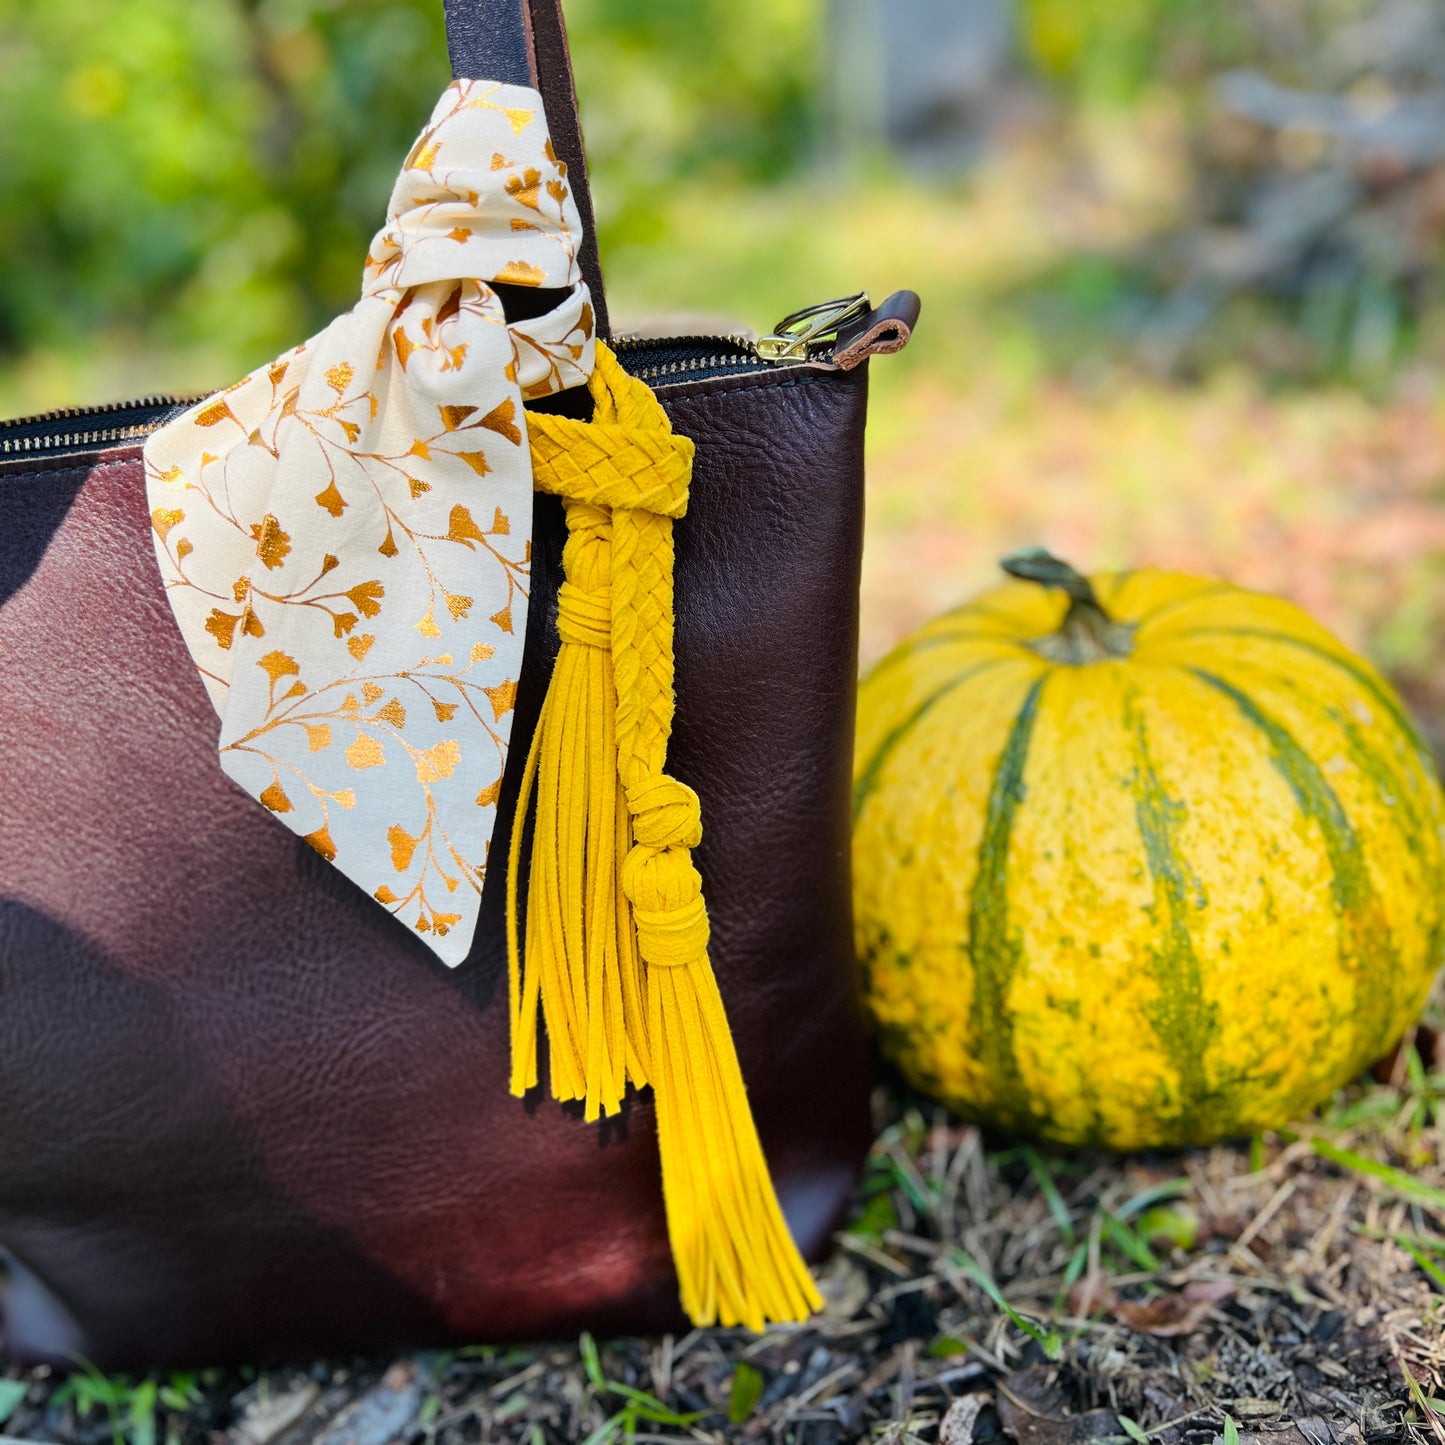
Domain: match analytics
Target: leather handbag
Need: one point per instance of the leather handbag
(244, 1112)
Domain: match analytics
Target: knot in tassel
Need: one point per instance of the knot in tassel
(658, 876)
(584, 600)
(584, 618)
(665, 813)
(665, 891)
(616, 923)
(587, 556)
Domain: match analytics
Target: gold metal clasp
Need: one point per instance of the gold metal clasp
(800, 337)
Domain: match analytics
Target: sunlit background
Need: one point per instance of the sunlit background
(1181, 261)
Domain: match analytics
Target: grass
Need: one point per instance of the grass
(1172, 1298)
(639, 1407)
(133, 1409)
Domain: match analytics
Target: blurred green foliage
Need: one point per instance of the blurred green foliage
(1305, 239)
(183, 170)
(212, 173)
(186, 189)
(1107, 51)
(724, 90)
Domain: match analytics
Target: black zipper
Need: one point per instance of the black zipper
(92, 428)
(78, 431)
(687, 358)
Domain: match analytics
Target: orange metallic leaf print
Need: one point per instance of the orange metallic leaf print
(341, 495)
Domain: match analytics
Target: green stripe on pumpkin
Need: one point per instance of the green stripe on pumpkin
(911, 647)
(1182, 1018)
(867, 779)
(1176, 604)
(1375, 763)
(992, 945)
(1366, 949)
(1345, 664)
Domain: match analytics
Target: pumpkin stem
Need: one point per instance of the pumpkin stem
(1087, 633)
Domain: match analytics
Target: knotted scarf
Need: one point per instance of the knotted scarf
(344, 536)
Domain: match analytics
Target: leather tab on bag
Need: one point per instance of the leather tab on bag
(886, 328)
(490, 41)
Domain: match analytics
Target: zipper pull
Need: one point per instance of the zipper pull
(800, 337)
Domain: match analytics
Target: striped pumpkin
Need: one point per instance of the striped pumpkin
(1147, 861)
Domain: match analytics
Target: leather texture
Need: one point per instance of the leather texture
(491, 42)
(252, 1116)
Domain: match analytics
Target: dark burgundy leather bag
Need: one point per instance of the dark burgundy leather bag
(243, 1111)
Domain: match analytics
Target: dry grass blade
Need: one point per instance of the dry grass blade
(1292, 1292)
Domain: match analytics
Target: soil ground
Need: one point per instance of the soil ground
(1287, 1290)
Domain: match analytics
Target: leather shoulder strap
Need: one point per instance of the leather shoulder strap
(524, 42)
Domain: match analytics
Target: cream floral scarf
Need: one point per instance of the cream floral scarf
(345, 535)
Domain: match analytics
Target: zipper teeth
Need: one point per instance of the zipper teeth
(665, 369)
(107, 408)
(639, 343)
(95, 436)
(72, 440)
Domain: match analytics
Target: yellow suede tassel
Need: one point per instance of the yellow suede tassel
(617, 932)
